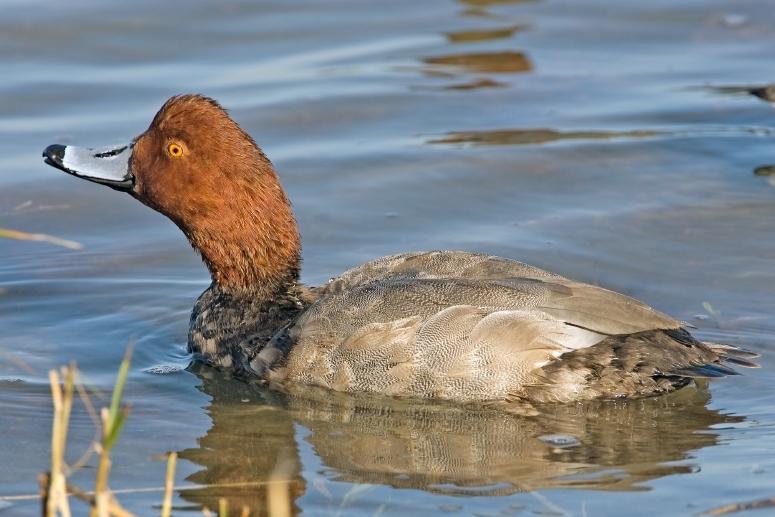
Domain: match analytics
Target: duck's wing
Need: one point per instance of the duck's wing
(455, 338)
(461, 352)
(575, 302)
(436, 264)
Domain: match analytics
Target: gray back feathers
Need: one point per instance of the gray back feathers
(469, 327)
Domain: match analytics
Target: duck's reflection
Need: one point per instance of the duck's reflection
(251, 436)
(440, 448)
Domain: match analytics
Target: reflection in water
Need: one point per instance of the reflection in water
(534, 136)
(485, 3)
(442, 448)
(476, 84)
(251, 435)
(487, 62)
(505, 62)
(479, 7)
(482, 35)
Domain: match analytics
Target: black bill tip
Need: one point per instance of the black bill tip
(53, 155)
(108, 166)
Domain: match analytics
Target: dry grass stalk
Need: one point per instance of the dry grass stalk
(278, 490)
(44, 481)
(113, 507)
(169, 483)
(40, 237)
(55, 489)
(56, 494)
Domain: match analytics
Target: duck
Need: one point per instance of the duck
(457, 326)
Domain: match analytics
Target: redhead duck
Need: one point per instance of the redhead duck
(444, 324)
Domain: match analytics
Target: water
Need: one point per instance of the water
(606, 140)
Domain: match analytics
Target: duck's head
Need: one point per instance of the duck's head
(195, 165)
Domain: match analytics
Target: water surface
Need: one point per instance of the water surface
(609, 141)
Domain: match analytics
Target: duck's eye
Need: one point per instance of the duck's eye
(175, 150)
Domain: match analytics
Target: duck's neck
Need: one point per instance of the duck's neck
(250, 242)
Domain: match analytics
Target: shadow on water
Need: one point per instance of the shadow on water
(441, 448)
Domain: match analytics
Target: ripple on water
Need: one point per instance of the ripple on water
(559, 440)
(163, 369)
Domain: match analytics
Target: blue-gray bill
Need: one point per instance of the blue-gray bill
(108, 165)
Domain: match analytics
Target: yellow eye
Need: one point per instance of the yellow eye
(175, 150)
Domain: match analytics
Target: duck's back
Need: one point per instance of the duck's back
(471, 327)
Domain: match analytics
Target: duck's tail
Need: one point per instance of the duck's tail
(734, 355)
(726, 354)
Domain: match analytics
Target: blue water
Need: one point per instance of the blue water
(599, 139)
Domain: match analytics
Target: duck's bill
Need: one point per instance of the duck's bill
(109, 165)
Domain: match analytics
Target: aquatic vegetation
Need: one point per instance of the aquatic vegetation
(55, 488)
